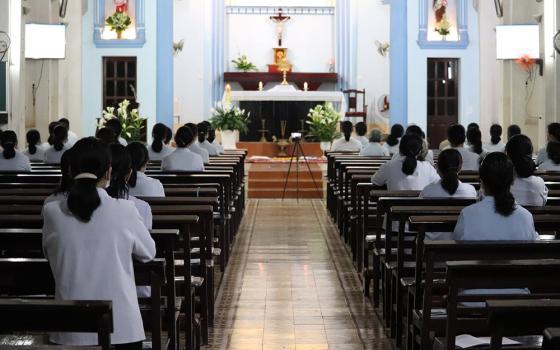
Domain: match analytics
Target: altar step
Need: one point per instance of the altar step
(268, 180)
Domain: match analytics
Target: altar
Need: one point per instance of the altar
(282, 103)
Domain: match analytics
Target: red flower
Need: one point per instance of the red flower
(526, 62)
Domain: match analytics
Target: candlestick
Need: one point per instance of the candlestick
(305, 86)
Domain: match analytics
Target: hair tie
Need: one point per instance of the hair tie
(85, 176)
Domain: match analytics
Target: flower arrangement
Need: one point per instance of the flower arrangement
(119, 22)
(323, 121)
(229, 118)
(243, 64)
(132, 123)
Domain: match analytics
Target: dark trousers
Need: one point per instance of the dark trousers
(129, 346)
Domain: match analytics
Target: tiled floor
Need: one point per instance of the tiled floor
(291, 285)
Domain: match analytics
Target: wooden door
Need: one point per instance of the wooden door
(119, 80)
(443, 97)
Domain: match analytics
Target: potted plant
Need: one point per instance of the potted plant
(243, 64)
(323, 122)
(118, 22)
(134, 126)
(230, 121)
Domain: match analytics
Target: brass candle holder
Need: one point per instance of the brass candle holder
(283, 143)
(263, 130)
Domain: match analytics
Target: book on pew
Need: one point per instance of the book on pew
(465, 341)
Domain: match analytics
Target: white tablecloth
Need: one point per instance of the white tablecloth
(290, 94)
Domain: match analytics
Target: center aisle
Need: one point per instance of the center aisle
(290, 284)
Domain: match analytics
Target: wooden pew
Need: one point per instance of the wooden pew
(551, 339)
(28, 277)
(532, 274)
(182, 223)
(520, 317)
(47, 315)
(429, 273)
(28, 243)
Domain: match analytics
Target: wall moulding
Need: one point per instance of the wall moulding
(458, 36)
(138, 18)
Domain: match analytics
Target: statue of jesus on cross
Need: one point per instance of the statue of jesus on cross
(280, 19)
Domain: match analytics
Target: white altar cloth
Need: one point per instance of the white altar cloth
(279, 94)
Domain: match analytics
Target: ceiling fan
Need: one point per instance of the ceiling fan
(499, 8)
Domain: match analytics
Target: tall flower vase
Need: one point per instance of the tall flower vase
(230, 139)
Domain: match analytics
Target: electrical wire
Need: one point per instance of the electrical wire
(36, 88)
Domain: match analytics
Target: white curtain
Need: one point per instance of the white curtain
(217, 50)
(346, 43)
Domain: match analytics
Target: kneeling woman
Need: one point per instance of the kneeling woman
(90, 240)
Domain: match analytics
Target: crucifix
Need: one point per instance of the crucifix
(280, 19)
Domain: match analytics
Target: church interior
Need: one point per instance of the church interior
(279, 174)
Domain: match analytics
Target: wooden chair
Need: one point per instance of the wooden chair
(353, 111)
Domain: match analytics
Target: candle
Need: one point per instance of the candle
(228, 94)
(305, 86)
(260, 85)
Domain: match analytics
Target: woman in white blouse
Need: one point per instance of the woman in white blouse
(158, 150)
(409, 172)
(374, 148)
(426, 153)
(11, 159)
(449, 165)
(183, 159)
(66, 179)
(194, 146)
(90, 241)
(528, 189)
(553, 135)
(121, 171)
(54, 152)
(497, 216)
(139, 183)
(456, 135)
(552, 163)
(496, 144)
(347, 143)
(361, 131)
(212, 139)
(392, 142)
(34, 151)
(203, 129)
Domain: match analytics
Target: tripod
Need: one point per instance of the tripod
(298, 152)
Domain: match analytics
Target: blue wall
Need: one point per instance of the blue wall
(164, 61)
(92, 70)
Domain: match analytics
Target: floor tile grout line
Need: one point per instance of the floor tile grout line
(238, 251)
(321, 219)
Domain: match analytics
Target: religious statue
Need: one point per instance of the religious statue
(121, 5)
(280, 19)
